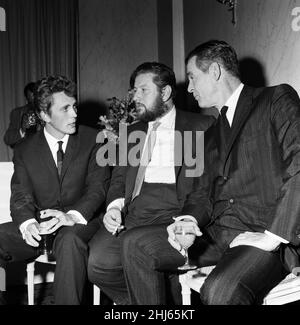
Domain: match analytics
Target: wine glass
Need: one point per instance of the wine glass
(185, 235)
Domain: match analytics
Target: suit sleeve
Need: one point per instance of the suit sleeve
(22, 202)
(95, 190)
(117, 184)
(198, 203)
(285, 118)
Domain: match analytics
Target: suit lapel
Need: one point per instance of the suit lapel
(180, 124)
(243, 109)
(46, 155)
(70, 154)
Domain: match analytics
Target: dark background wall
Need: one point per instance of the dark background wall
(115, 36)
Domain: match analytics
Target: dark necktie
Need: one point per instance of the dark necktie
(60, 157)
(224, 124)
(145, 160)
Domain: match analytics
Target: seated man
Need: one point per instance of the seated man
(147, 196)
(56, 175)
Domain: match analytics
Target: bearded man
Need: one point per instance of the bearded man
(143, 198)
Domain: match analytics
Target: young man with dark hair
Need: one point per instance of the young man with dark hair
(56, 176)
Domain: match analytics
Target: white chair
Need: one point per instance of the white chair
(288, 290)
(30, 275)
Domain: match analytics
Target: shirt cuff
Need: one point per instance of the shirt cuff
(77, 214)
(284, 241)
(24, 225)
(116, 204)
(186, 217)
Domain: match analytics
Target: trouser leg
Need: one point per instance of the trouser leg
(243, 276)
(105, 268)
(71, 254)
(147, 258)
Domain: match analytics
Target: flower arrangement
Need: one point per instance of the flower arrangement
(120, 111)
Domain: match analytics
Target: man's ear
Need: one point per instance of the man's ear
(166, 93)
(215, 71)
(45, 117)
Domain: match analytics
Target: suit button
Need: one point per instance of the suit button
(231, 201)
(225, 178)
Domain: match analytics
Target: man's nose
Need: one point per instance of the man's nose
(73, 112)
(190, 87)
(136, 96)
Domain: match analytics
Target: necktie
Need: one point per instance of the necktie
(60, 157)
(224, 124)
(145, 160)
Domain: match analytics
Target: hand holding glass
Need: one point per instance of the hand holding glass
(185, 235)
(47, 238)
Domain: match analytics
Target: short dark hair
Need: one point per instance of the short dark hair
(30, 87)
(163, 75)
(215, 51)
(50, 85)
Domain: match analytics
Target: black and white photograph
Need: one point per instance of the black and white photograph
(149, 155)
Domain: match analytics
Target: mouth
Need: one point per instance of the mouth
(72, 125)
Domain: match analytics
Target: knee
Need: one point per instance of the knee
(219, 292)
(68, 241)
(101, 269)
(137, 248)
(103, 263)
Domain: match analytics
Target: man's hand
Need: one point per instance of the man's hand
(256, 239)
(171, 232)
(31, 234)
(112, 220)
(59, 219)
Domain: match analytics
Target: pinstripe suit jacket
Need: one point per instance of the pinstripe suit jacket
(258, 173)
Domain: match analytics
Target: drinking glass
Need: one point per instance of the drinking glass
(185, 235)
(46, 242)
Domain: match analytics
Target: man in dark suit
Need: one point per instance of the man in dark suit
(23, 120)
(246, 203)
(145, 194)
(56, 175)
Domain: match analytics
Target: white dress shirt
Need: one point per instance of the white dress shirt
(161, 168)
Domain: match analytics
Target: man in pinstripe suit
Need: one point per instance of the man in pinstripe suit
(247, 202)
(250, 221)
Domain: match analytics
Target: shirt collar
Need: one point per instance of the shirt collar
(232, 102)
(52, 141)
(166, 121)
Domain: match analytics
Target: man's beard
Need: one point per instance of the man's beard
(157, 109)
